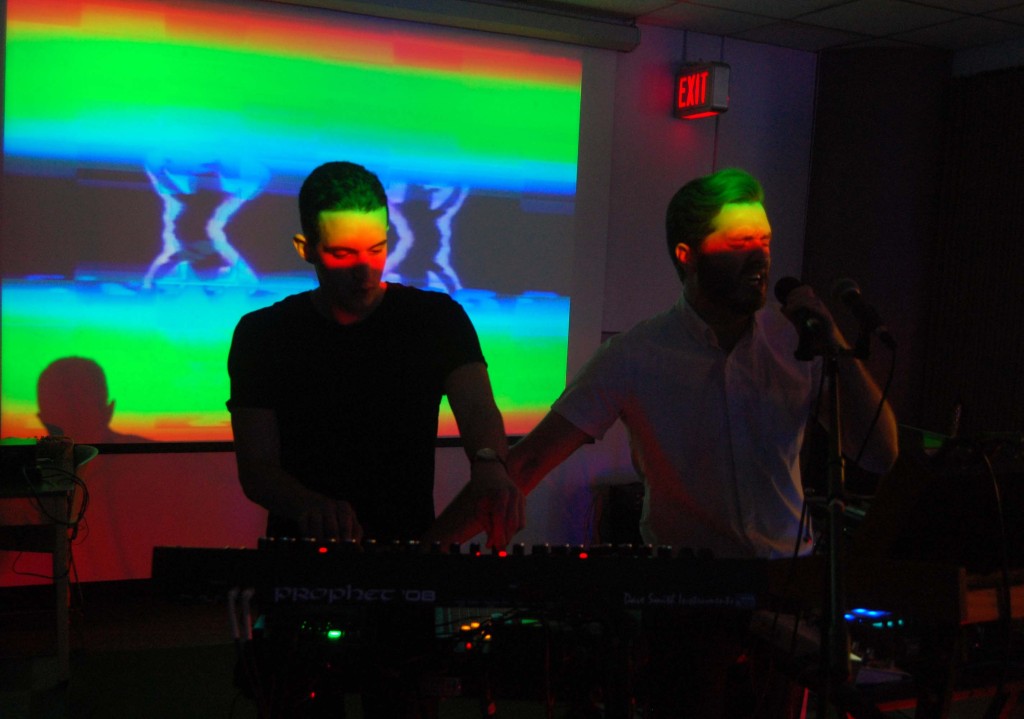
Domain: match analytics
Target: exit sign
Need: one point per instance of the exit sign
(702, 90)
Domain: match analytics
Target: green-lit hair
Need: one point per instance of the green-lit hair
(337, 186)
(697, 203)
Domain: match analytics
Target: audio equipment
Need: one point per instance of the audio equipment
(299, 572)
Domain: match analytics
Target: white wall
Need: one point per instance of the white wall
(767, 131)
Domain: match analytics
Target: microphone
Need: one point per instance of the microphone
(805, 319)
(810, 325)
(847, 291)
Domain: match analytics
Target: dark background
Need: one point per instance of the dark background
(916, 191)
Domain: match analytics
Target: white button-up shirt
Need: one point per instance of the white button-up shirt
(715, 436)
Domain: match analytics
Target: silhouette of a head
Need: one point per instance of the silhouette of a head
(72, 398)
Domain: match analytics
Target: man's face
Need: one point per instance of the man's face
(350, 257)
(81, 415)
(733, 261)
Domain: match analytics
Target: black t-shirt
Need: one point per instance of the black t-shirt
(356, 405)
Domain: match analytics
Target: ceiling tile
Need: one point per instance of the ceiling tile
(971, 7)
(778, 9)
(700, 18)
(629, 8)
(879, 17)
(818, 24)
(799, 36)
(1012, 14)
(963, 34)
(877, 42)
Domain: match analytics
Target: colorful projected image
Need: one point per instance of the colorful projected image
(152, 155)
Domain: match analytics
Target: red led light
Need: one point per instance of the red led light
(322, 550)
(502, 553)
(692, 90)
(583, 555)
(701, 90)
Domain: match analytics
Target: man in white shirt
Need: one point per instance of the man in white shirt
(711, 394)
(716, 406)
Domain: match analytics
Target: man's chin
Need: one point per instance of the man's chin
(748, 305)
(365, 298)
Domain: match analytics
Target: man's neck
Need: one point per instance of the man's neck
(341, 314)
(728, 326)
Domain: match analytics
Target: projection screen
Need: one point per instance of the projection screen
(152, 154)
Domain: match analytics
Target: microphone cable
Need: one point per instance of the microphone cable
(881, 405)
(1003, 594)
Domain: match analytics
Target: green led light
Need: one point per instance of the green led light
(335, 634)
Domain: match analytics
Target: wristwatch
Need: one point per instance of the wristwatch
(486, 454)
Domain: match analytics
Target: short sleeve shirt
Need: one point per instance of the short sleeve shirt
(715, 435)
(357, 405)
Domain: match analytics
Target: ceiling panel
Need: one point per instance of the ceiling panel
(819, 24)
(799, 36)
(703, 18)
(625, 8)
(971, 6)
(963, 34)
(879, 17)
(1013, 14)
(779, 9)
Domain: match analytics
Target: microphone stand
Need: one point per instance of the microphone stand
(835, 651)
(835, 638)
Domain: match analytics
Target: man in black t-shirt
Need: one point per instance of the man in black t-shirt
(335, 392)
(334, 407)
(356, 406)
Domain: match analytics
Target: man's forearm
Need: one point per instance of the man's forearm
(274, 489)
(860, 399)
(458, 523)
(482, 427)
